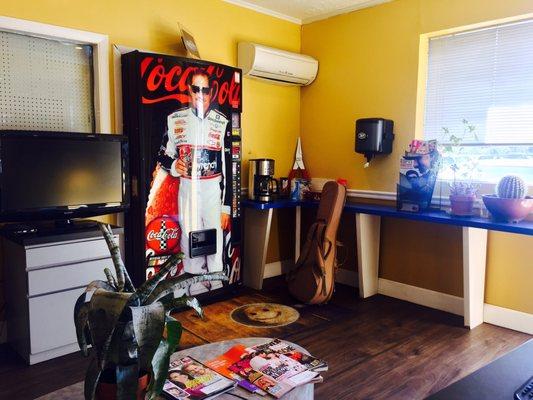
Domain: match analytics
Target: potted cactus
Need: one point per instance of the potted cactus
(510, 202)
(131, 331)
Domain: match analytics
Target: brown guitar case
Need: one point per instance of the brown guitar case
(312, 280)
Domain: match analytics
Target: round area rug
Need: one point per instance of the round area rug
(264, 315)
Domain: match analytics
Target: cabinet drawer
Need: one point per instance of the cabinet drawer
(68, 276)
(64, 253)
(52, 320)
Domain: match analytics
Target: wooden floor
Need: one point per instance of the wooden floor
(378, 348)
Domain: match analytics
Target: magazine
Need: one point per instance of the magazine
(275, 373)
(222, 363)
(191, 380)
(280, 347)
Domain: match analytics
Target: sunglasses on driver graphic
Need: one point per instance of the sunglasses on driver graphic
(196, 89)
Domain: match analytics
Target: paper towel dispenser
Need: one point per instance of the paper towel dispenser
(373, 136)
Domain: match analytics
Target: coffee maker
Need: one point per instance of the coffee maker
(261, 184)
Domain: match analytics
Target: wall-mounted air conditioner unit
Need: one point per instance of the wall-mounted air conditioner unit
(276, 66)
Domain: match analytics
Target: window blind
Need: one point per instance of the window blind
(45, 84)
(485, 77)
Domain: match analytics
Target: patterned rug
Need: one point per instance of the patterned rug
(264, 315)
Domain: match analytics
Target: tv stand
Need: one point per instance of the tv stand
(45, 272)
(65, 224)
(61, 229)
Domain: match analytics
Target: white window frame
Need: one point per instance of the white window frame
(423, 61)
(100, 45)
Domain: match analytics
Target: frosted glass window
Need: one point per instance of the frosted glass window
(480, 89)
(45, 84)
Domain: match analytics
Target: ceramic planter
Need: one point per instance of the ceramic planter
(508, 210)
(462, 205)
(107, 387)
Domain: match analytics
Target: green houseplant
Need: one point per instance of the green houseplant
(463, 188)
(131, 330)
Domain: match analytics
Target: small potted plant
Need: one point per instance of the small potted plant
(131, 330)
(463, 188)
(462, 197)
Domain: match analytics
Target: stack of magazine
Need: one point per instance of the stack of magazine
(274, 368)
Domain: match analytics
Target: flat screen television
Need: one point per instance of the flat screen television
(62, 175)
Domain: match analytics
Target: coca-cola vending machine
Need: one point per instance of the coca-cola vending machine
(183, 119)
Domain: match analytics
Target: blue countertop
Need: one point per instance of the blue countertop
(435, 216)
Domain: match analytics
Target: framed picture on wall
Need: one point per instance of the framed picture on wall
(189, 43)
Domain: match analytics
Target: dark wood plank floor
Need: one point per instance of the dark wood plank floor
(378, 348)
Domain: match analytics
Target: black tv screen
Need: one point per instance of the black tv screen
(47, 175)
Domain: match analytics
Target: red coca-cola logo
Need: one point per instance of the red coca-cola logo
(174, 81)
(163, 235)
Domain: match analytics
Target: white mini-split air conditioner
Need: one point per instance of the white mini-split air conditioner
(276, 66)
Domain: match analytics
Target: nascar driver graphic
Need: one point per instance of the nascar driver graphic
(193, 151)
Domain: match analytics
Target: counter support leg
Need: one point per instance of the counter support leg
(297, 232)
(367, 231)
(256, 234)
(474, 265)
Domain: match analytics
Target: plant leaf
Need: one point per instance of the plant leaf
(110, 278)
(148, 325)
(144, 291)
(182, 282)
(81, 316)
(161, 359)
(123, 279)
(92, 376)
(191, 302)
(104, 312)
(81, 313)
(100, 285)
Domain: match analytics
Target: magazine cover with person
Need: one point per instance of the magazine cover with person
(277, 374)
(191, 380)
(280, 347)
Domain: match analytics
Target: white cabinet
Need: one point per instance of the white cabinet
(44, 277)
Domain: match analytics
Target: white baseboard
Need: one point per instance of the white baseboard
(424, 297)
(504, 317)
(347, 277)
(512, 319)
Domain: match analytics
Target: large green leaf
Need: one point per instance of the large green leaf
(81, 312)
(183, 301)
(123, 279)
(81, 315)
(92, 376)
(144, 291)
(182, 282)
(110, 278)
(104, 312)
(161, 359)
(148, 325)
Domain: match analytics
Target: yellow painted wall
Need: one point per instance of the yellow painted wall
(271, 114)
(368, 67)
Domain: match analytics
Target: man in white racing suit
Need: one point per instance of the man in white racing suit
(194, 152)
